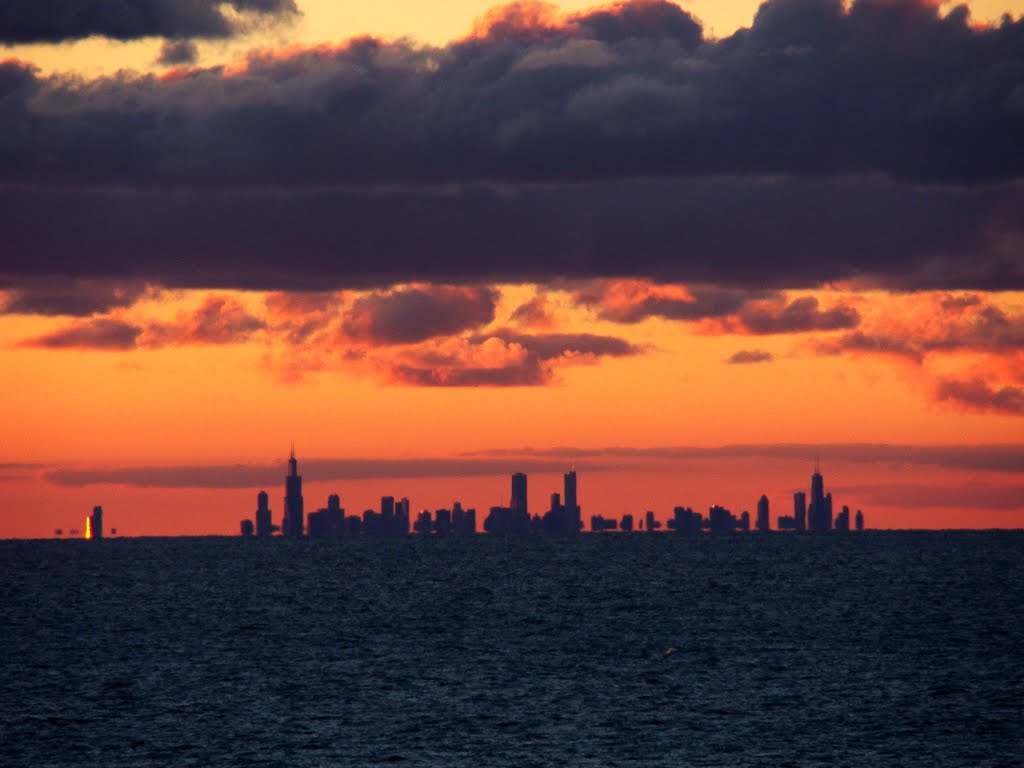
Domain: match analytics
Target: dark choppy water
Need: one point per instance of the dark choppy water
(883, 649)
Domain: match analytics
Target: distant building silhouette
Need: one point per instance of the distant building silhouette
(94, 524)
(293, 524)
(328, 522)
(264, 517)
(799, 511)
(423, 524)
(506, 521)
(572, 505)
(600, 523)
(816, 512)
(786, 523)
(402, 522)
(721, 520)
(843, 520)
(443, 522)
(684, 521)
(859, 520)
(763, 523)
(463, 521)
(626, 524)
(519, 501)
(248, 529)
(652, 523)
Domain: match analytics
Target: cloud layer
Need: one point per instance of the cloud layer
(810, 89)
(54, 21)
(877, 143)
(987, 458)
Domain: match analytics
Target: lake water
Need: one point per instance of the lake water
(877, 649)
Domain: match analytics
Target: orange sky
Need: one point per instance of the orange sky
(213, 377)
(193, 403)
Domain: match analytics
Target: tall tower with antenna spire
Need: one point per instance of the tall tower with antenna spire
(294, 519)
(817, 514)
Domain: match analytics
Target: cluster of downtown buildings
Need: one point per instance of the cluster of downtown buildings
(562, 517)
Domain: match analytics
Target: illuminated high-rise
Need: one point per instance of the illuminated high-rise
(94, 524)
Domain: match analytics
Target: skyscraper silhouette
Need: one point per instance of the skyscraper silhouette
(293, 524)
(571, 505)
(519, 502)
(762, 514)
(264, 517)
(800, 511)
(816, 514)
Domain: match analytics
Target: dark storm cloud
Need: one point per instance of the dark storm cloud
(410, 315)
(53, 21)
(618, 143)
(744, 232)
(746, 356)
(888, 87)
(176, 52)
(69, 296)
(95, 333)
(977, 395)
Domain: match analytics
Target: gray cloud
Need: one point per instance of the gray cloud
(178, 52)
(410, 315)
(54, 21)
(523, 373)
(799, 316)
(551, 346)
(531, 360)
(99, 333)
(978, 395)
(219, 320)
(745, 356)
(70, 296)
(703, 302)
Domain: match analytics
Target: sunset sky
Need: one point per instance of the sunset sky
(687, 248)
